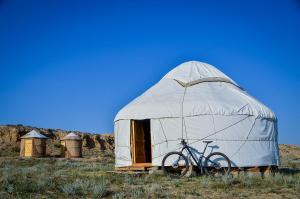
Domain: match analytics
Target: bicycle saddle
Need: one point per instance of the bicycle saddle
(206, 141)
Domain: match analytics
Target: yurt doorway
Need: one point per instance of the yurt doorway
(28, 148)
(141, 148)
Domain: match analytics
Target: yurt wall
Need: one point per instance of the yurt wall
(22, 148)
(73, 148)
(39, 147)
(33, 147)
(63, 148)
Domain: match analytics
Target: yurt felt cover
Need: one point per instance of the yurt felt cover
(73, 148)
(33, 147)
(71, 136)
(34, 134)
(197, 102)
(72, 145)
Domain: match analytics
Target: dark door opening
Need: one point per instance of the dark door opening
(141, 141)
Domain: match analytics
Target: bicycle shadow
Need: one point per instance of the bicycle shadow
(210, 149)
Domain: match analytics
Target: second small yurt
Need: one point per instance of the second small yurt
(33, 144)
(71, 146)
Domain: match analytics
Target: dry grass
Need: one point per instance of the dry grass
(87, 178)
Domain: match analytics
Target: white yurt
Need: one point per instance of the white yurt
(197, 102)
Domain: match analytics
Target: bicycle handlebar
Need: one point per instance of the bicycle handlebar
(182, 141)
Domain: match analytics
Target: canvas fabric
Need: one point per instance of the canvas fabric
(183, 104)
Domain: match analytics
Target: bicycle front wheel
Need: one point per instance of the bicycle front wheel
(175, 165)
(217, 164)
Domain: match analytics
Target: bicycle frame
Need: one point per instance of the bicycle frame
(188, 148)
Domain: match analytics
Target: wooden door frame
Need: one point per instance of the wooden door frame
(132, 146)
(26, 141)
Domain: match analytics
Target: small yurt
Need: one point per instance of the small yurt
(33, 144)
(197, 102)
(71, 146)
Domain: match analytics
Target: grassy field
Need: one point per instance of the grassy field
(88, 178)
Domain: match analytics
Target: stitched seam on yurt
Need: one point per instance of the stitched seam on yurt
(207, 79)
(238, 150)
(206, 136)
(258, 117)
(186, 135)
(163, 131)
(182, 111)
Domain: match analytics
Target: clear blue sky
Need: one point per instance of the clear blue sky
(74, 64)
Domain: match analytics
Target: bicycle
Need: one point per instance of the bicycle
(175, 164)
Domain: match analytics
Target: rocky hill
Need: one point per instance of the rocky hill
(290, 155)
(93, 144)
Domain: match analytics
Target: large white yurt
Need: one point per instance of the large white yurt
(197, 102)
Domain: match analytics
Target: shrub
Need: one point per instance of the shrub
(156, 189)
(16, 149)
(71, 189)
(99, 190)
(205, 181)
(77, 187)
(9, 188)
(137, 192)
(120, 195)
(57, 145)
(80, 187)
(129, 179)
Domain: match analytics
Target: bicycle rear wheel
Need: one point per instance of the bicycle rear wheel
(175, 165)
(217, 164)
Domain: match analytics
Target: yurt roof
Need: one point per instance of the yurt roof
(191, 72)
(34, 134)
(191, 89)
(72, 136)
